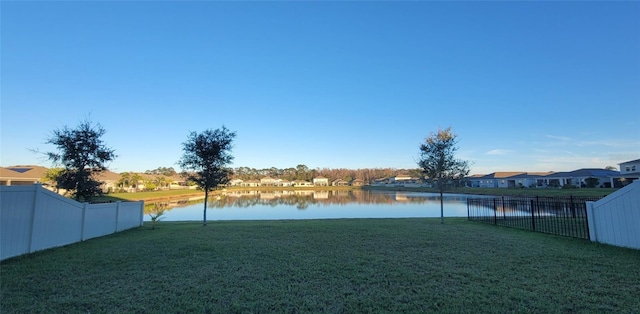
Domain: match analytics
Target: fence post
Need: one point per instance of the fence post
(34, 209)
(141, 213)
(117, 215)
(468, 214)
(495, 210)
(572, 207)
(591, 222)
(533, 217)
(85, 206)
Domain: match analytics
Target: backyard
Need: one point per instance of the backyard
(344, 265)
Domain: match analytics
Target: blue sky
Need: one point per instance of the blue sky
(526, 86)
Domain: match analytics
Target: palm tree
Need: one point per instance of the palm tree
(135, 180)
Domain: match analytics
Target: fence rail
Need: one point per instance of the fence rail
(566, 216)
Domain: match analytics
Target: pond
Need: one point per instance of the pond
(307, 204)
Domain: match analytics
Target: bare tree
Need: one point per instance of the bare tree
(438, 162)
(205, 160)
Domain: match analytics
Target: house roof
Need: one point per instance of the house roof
(109, 175)
(501, 175)
(29, 172)
(630, 162)
(585, 172)
(532, 175)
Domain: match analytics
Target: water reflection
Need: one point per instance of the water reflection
(302, 199)
(310, 204)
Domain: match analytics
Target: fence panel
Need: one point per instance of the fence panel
(96, 220)
(57, 220)
(556, 215)
(615, 219)
(130, 215)
(16, 218)
(33, 218)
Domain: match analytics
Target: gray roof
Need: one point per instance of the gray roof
(585, 172)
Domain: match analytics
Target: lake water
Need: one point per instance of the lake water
(305, 204)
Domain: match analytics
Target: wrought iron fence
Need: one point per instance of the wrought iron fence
(566, 216)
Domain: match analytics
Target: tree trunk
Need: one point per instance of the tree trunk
(204, 213)
(441, 208)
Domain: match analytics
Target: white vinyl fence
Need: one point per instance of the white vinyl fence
(615, 219)
(33, 218)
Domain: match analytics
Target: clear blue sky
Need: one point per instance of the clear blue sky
(527, 86)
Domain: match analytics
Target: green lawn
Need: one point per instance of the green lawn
(148, 195)
(345, 265)
(550, 192)
(478, 191)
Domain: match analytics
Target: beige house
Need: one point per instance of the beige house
(282, 182)
(30, 174)
(250, 183)
(339, 182)
(21, 175)
(267, 181)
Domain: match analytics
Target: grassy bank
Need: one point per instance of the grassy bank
(149, 196)
(347, 265)
(595, 192)
(182, 194)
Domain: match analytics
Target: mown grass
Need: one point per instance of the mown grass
(154, 195)
(564, 226)
(147, 195)
(331, 266)
(547, 192)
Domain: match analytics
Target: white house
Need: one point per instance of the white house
(401, 179)
(302, 183)
(630, 167)
(320, 181)
(282, 182)
(629, 172)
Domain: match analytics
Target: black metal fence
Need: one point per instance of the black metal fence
(566, 216)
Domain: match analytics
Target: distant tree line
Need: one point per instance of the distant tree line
(163, 171)
(302, 172)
